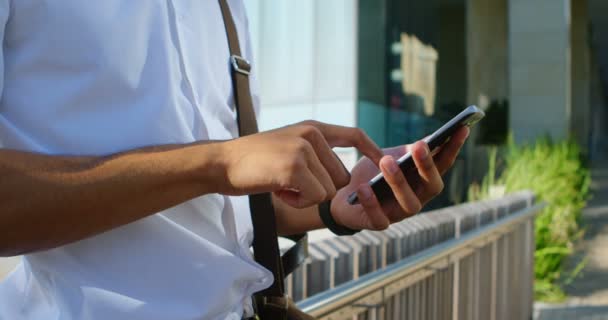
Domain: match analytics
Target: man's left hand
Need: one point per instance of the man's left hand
(409, 196)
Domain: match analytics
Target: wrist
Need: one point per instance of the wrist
(207, 166)
(331, 223)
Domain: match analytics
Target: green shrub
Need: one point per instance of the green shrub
(558, 177)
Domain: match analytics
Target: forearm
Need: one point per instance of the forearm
(292, 221)
(48, 201)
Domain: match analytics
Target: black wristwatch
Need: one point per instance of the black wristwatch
(330, 223)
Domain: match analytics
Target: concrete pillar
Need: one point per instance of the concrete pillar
(599, 110)
(452, 66)
(599, 79)
(487, 51)
(540, 72)
(581, 74)
(487, 69)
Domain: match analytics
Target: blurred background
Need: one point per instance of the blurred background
(400, 68)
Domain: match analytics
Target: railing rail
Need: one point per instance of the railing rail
(483, 272)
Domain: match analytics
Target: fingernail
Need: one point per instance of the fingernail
(365, 192)
(391, 166)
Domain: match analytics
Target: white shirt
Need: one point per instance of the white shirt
(99, 77)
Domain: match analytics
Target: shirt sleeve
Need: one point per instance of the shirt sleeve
(5, 8)
(4, 14)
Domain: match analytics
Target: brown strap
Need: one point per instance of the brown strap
(274, 308)
(240, 80)
(265, 243)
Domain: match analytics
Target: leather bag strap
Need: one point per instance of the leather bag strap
(265, 243)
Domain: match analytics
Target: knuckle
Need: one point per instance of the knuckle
(309, 131)
(300, 146)
(410, 206)
(416, 206)
(428, 164)
(309, 123)
(439, 188)
(379, 226)
(298, 163)
(294, 164)
(358, 134)
(397, 180)
(322, 195)
(331, 193)
(342, 180)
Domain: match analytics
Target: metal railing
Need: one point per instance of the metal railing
(473, 261)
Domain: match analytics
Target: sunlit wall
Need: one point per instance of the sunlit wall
(305, 57)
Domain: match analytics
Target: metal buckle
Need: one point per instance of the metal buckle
(285, 298)
(237, 62)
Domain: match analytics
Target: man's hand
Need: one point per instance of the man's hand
(295, 162)
(409, 196)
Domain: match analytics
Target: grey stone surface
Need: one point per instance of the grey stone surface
(539, 44)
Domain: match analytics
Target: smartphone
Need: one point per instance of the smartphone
(467, 117)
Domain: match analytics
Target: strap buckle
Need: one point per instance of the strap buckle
(281, 303)
(240, 64)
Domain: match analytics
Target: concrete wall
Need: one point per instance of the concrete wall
(487, 67)
(452, 66)
(305, 62)
(540, 68)
(487, 51)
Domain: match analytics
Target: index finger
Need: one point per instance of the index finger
(340, 136)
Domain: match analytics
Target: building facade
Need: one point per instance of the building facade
(399, 68)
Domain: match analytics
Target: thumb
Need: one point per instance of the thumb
(373, 216)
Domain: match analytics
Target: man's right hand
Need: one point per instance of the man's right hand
(295, 162)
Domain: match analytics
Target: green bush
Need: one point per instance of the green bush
(558, 177)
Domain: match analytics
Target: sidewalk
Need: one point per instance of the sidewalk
(588, 294)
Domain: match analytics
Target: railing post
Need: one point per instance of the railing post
(529, 254)
(494, 271)
(456, 275)
(476, 273)
(467, 277)
(494, 287)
